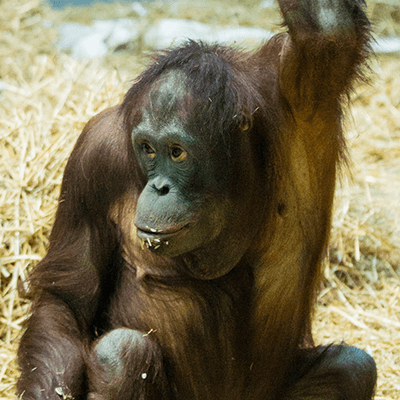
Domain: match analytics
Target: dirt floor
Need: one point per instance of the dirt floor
(46, 98)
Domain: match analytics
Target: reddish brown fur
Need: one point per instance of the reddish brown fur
(239, 336)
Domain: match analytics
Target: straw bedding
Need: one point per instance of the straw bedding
(45, 101)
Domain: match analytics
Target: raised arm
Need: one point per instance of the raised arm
(327, 45)
(306, 72)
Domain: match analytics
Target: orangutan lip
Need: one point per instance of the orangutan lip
(153, 239)
(158, 234)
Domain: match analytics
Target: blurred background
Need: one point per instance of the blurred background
(63, 62)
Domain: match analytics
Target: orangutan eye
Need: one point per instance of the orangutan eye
(148, 150)
(178, 154)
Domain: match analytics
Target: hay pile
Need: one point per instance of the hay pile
(361, 301)
(47, 99)
(45, 104)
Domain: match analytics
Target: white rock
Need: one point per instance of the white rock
(138, 9)
(169, 32)
(90, 46)
(104, 27)
(386, 45)
(267, 4)
(70, 33)
(175, 31)
(95, 40)
(119, 32)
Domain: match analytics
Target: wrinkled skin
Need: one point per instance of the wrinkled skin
(187, 203)
(193, 218)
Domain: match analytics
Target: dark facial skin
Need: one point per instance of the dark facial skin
(183, 206)
(187, 207)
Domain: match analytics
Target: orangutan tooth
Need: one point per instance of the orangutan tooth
(153, 230)
(149, 242)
